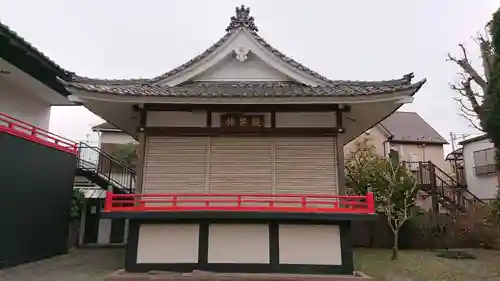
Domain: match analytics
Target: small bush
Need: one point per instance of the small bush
(76, 204)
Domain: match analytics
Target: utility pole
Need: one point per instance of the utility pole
(455, 164)
(452, 139)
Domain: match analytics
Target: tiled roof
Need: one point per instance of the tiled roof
(245, 89)
(12, 35)
(104, 126)
(410, 127)
(241, 20)
(457, 153)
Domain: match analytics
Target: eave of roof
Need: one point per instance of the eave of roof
(33, 51)
(403, 141)
(474, 139)
(104, 127)
(18, 52)
(244, 89)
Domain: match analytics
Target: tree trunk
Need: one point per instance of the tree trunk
(395, 245)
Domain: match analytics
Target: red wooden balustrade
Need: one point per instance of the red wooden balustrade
(297, 203)
(27, 131)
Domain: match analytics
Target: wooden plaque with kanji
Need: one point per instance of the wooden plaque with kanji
(242, 121)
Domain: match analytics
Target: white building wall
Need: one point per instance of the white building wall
(483, 186)
(24, 106)
(118, 138)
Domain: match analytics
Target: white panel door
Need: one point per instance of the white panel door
(240, 164)
(175, 165)
(305, 165)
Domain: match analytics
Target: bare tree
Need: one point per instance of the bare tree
(474, 82)
(480, 90)
(397, 199)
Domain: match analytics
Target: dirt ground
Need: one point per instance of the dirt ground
(426, 266)
(78, 265)
(96, 264)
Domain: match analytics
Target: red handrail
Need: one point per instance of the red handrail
(27, 131)
(302, 203)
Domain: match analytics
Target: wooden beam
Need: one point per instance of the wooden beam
(215, 131)
(248, 107)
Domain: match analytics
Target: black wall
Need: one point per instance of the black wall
(36, 185)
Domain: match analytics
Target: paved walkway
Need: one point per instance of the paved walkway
(78, 265)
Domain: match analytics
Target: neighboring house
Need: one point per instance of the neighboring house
(37, 167)
(241, 152)
(479, 162)
(409, 135)
(415, 142)
(28, 81)
(110, 140)
(110, 137)
(456, 166)
(95, 229)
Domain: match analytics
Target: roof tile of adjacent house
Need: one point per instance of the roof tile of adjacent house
(105, 127)
(410, 127)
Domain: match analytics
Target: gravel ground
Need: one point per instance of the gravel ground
(97, 263)
(78, 265)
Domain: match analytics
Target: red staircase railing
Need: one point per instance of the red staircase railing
(27, 131)
(301, 203)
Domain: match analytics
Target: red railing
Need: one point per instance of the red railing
(302, 203)
(27, 131)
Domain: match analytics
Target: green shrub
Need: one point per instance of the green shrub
(77, 201)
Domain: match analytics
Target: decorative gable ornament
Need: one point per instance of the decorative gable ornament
(242, 19)
(241, 53)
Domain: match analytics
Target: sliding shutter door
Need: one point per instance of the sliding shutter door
(175, 165)
(305, 165)
(240, 164)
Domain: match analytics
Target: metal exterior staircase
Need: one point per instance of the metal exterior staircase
(448, 192)
(104, 170)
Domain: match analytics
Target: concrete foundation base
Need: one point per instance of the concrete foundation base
(122, 275)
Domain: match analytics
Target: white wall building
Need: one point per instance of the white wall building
(479, 162)
(28, 81)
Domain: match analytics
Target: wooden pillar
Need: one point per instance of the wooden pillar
(83, 218)
(125, 231)
(141, 153)
(339, 152)
(434, 190)
(340, 166)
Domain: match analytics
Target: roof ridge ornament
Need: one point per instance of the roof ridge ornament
(242, 19)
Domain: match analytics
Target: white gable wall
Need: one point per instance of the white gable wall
(115, 137)
(241, 38)
(23, 105)
(483, 186)
(252, 69)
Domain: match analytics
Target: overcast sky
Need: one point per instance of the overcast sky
(355, 39)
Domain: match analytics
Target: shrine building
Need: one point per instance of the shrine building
(240, 160)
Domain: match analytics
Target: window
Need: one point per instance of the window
(484, 161)
(413, 161)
